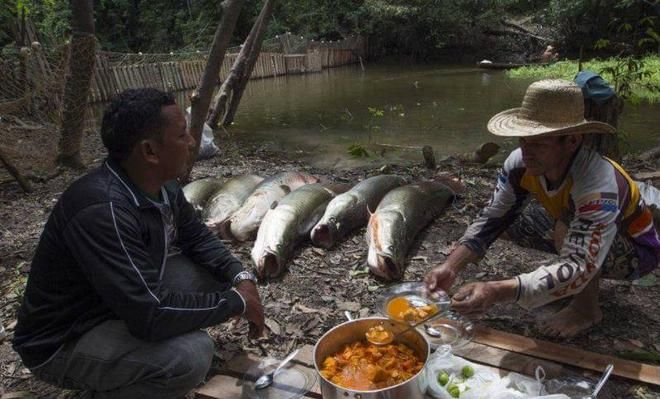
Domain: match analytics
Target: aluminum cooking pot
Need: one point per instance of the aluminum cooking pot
(351, 331)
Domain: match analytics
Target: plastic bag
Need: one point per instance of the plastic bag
(207, 147)
(485, 383)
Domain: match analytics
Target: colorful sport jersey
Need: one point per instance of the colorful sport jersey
(597, 200)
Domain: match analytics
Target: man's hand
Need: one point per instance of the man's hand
(443, 276)
(254, 311)
(440, 278)
(477, 298)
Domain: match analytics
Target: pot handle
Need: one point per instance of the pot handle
(348, 315)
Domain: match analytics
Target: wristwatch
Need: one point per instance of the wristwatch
(242, 276)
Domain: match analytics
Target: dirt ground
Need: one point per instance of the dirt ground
(320, 284)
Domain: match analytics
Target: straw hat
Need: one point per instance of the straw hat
(550, 107)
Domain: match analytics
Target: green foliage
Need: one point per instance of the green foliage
(413, 28)
(376, 113)
(635, 79)
(357, 151)
(51, 18)
(7, 24)
(629, 73)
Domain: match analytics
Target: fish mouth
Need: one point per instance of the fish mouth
(268, 266)
(223, 229)
(385, 267)
(323, 236)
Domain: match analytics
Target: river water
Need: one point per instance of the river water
(319, 116)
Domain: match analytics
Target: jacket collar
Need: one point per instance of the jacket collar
(135, 194)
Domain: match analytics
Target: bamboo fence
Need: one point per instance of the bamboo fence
(184, 75)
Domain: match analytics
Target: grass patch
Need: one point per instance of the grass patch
(568, 69)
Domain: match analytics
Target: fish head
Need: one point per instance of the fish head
(309, 179)
(386, 245)
(269, 261)
(325, 232)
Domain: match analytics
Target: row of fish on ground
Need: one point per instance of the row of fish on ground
(284, 210)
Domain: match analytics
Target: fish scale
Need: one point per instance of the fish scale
(400, 216)
(245, 222)
(285, 226)
(350, 210)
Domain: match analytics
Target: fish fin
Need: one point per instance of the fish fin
(285, 188)
(273, 205)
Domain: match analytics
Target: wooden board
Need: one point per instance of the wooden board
(647, 175)
(228, 384)
(567, 355)
(506, 361)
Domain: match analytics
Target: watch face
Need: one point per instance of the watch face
(244, 275)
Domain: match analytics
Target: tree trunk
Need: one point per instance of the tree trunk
(13, 171)
(608, 112)
(201, 97)
(218, 108)
(78, 79)
(261, 24)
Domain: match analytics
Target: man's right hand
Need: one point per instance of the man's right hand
(443, 276)
(254, 311)
(440, 278)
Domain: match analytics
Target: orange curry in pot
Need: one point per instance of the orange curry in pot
(363, 366)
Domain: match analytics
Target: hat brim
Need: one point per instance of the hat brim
(510, 123)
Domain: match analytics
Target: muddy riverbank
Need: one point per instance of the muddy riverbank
(320, 284)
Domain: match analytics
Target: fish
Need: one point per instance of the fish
(349, 211)
(227, 200)
(199, 191)
(400, 216)
(286, 226)
(246, 220)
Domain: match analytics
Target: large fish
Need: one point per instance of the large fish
(245, 222)
(199, 191)
(401, 214)
(350, 210)
(286, 225)
(227, 200)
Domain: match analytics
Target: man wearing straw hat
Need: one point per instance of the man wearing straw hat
(591, 215)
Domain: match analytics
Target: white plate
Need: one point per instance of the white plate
(415, 293)
(292, 382)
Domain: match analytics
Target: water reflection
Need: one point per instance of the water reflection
(391, 110)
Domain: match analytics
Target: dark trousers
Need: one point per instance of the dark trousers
(109, 362)
(535, 228)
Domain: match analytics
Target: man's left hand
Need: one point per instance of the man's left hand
(254, 311)
(477, 298)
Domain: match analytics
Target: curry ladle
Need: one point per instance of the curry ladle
(392, 337)
(267, 379)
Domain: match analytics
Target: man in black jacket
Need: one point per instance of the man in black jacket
(106, 308)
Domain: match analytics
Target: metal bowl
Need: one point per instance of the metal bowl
(351, 331)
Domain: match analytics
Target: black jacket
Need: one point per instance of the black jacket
(102, 255)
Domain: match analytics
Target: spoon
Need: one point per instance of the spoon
(602, 381)
(391, 337)
(267, 379)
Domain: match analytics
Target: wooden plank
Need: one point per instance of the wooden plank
(568, 355)
(118, 80)
(647, 175)
(506, 360)
(189, 74)
(221, 386)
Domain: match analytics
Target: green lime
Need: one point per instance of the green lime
(443, 378)
(467, 371)
(453, 390)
